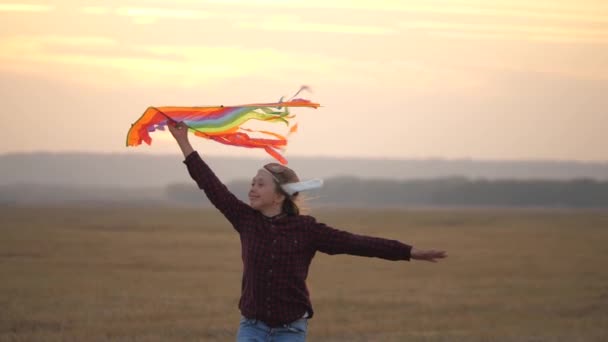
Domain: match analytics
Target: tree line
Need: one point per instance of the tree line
(452, 191)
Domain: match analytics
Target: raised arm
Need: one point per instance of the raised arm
(219, 195)
(180, 133)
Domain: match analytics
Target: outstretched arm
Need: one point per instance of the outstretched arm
(333, 241)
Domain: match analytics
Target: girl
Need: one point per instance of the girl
(278, 244)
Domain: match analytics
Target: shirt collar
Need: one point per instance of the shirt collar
(275, 217)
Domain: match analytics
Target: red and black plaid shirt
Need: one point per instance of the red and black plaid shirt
(277, 251)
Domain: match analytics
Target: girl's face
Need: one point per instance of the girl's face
(263, 194)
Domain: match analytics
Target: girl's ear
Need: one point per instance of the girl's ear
(278, 197)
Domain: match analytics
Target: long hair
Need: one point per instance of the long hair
(290, 204)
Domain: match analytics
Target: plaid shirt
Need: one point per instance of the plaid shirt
(277, 251)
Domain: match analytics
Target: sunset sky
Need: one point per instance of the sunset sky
(481, 79)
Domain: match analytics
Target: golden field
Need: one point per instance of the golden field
(160, 274)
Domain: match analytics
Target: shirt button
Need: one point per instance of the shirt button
(272, 256)
(274, 241)
(270, 270)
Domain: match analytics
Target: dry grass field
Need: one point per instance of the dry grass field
(174, 275)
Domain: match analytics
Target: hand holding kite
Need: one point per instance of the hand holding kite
(222, 123)
(179, 130)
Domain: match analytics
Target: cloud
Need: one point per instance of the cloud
(484, 11)
(295, 24)
(59, 40)
(16, 7)
(96, 10)
(151, 14)
(583, 11)
(282, 23)
(541, 33)
(102, 61)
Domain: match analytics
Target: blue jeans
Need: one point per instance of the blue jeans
(251, 330)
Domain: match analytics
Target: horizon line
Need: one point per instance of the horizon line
(253, 158)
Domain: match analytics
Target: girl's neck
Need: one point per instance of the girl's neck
(271, 212)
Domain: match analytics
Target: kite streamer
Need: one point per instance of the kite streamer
(223, 123)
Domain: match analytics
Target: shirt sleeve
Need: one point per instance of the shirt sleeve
(333, 241)
(219, 195)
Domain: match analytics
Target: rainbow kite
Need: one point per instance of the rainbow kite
(222, 124)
